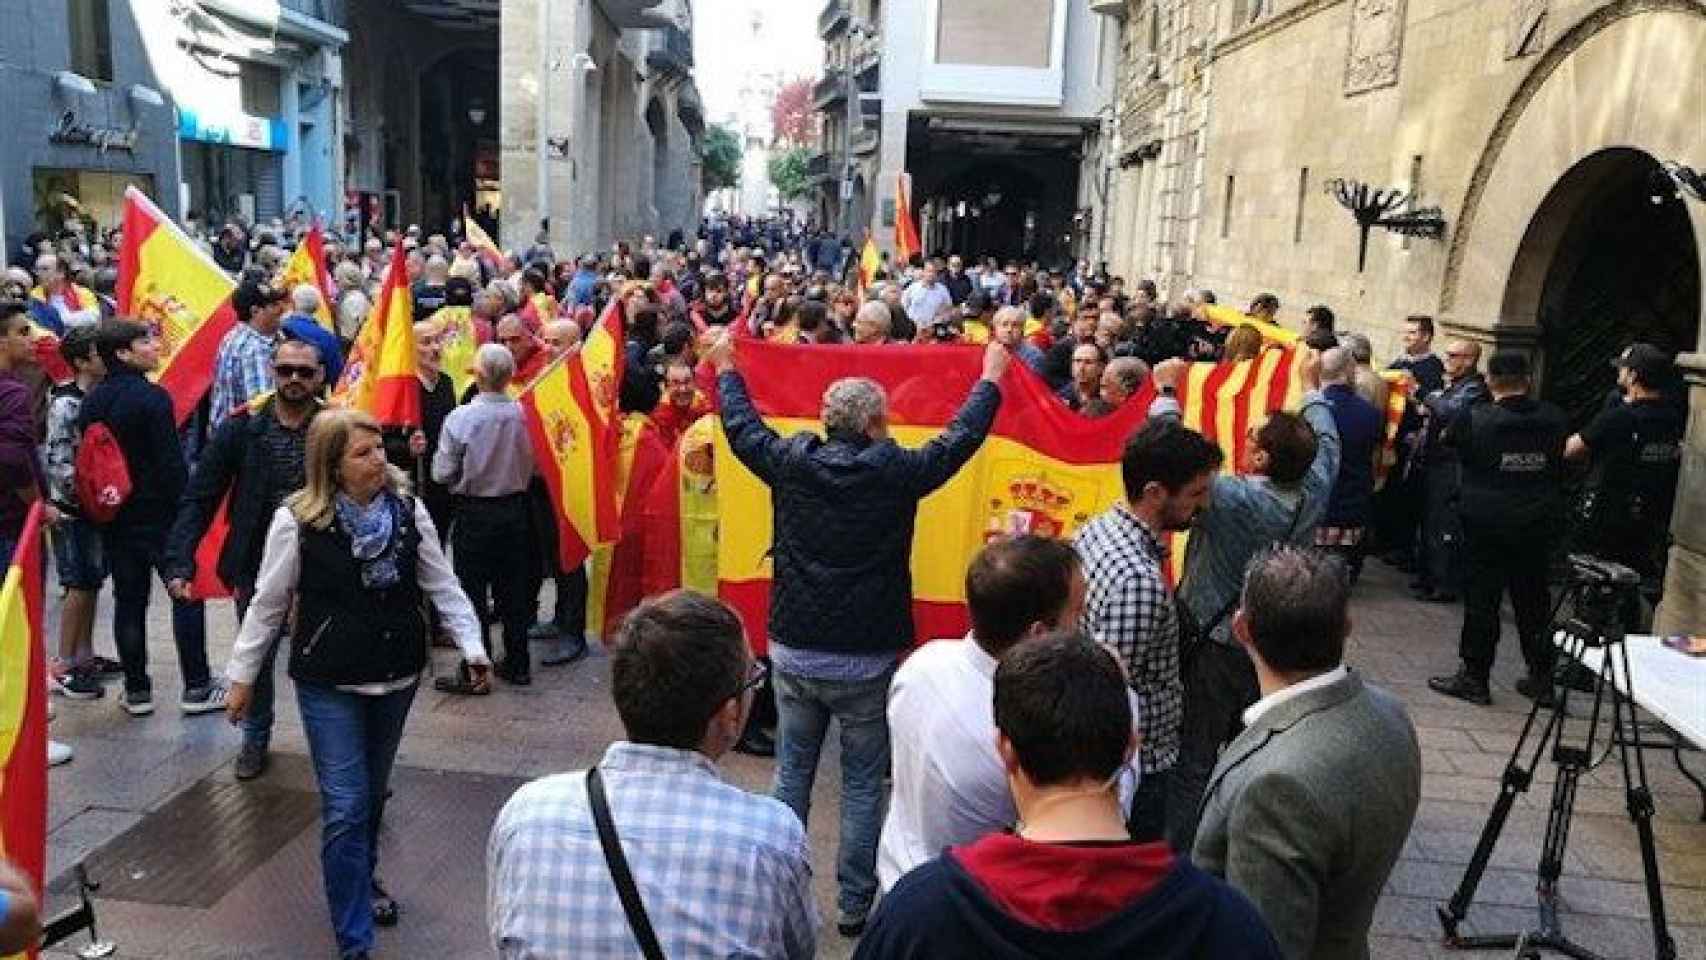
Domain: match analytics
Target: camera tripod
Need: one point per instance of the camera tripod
(1596, 591)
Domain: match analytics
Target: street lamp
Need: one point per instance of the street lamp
(476, 113)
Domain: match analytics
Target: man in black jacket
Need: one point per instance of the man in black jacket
(1440, 553)
(841, 600)
(1512, 451)
(255, 458)
(139, 414)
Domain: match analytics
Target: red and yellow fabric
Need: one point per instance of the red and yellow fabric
(906, 241)
(1228, 317)
(480, 239)
(308, 265)
(618, 579)
(1398, 384)
(1044, 469)
(458, 341)
(870, 261)
(23, 710)
(379, 376)
(167, 282)
(680, 516)
(577, 438)
(207, 585)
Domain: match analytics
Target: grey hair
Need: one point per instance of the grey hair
(853, 404)
(494, 365)
(1337, 365)
(353, 309)
(1359, 346)
(305, 297)
(1129, 371)
(1296, 603)
(877, 313)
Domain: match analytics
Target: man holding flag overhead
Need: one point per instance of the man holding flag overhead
(841, 605)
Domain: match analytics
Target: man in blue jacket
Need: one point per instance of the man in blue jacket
(841, 601)
(1344, 525)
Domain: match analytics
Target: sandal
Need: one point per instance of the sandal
(462, 684)
(385, 908)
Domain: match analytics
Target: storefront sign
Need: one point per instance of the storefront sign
(233, 129)
(74, 132)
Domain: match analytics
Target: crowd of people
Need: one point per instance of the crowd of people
(1109, 762)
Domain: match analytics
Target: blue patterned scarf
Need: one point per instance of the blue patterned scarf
(372, 530)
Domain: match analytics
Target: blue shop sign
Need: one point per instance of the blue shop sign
(237, 130)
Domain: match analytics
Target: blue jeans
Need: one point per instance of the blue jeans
(257, 721)
(353, 741)
(803, 709)
(132, 556)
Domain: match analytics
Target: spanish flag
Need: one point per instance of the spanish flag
(905, 229)
(481, 240)
(379, 376)
(1044, 469)
(870, 261)
(577, 438)
(167, 282)
(457, 344)
(308, 265)
(618, 581)
(23, 710)
(680, 516)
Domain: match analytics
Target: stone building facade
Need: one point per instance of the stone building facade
(1558, 141)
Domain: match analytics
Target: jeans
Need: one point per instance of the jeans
(257, 721)
(132, 555)
(352, 740)
(804, 708)
(491, 534)
(1501, 559)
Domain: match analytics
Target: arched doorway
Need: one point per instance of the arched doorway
(1609, 258)
(459, 138)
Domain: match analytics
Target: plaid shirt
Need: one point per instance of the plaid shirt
(1129, 609)
(242, 371)
(722, 872)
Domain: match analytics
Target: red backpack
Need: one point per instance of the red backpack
(103, 477)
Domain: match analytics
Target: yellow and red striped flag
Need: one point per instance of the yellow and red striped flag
(23, 710)
(906, 241)
(870, 261)
(168, 283)
(307, 264)
(577, 438)
(1272, 333)
(379, 376)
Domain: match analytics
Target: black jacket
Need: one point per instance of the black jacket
(345, 632)
(140, 415)
(1513, 463)
(842, 512)
(235, 461)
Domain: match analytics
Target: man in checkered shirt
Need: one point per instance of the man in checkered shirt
(720, 872)
(1167, 470)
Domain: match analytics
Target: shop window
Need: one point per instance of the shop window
(88, 198)
(91, 39)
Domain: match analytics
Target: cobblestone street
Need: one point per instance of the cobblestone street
(197, 866)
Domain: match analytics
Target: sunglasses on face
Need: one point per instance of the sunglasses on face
(292, 371)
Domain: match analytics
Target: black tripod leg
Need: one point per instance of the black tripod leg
(1689, 775)
(1640, 801)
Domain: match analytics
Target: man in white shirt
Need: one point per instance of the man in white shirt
(950, 786)
(926, 297)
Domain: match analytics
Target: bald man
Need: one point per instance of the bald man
(1440, 570)
(560, 337)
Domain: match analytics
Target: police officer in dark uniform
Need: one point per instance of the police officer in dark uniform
(1635, 449)
(1440, 572)
(1512, 454)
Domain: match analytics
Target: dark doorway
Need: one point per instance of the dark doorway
(459, 136)
(1623, 268)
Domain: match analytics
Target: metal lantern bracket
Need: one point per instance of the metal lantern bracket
(1372, 207)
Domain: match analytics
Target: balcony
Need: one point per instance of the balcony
(325, 11)
(672, 52)
(831, 90)
(817, 167)
(634, 14)
(834, 18)
(866, 140)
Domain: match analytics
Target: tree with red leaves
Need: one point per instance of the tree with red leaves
(792, 116)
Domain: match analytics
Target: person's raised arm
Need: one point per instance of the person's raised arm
(753, 442)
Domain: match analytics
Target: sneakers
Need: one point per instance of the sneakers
(251, 761)
(137, 703)
(1463, 686)
(58, 753)
(106, 666)
(202, 699)
(80, 684)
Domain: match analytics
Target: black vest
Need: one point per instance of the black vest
(1513, 463)
(347, 633)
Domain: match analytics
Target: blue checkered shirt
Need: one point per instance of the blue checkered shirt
(241, 372)
(722, 872)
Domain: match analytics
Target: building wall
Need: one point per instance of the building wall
(36, 45)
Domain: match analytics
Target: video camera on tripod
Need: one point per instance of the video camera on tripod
(1598, 592)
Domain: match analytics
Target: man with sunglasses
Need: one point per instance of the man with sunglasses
(711, 870)
(255, 458)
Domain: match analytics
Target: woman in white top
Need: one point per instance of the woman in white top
(352, 563)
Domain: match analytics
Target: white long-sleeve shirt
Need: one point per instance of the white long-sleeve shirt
(275, 588)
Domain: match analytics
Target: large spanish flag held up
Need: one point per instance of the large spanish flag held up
(379, 376)
(23, 709)
(307, 264)
(1044, 469)
(576, 430)
(169, 283)
(906, 241)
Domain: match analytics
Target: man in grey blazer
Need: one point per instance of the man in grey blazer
(1307, 809)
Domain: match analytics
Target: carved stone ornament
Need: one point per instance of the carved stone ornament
(1527, 29)
(1377, 40)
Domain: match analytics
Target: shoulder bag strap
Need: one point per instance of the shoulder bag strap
(638, 922)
